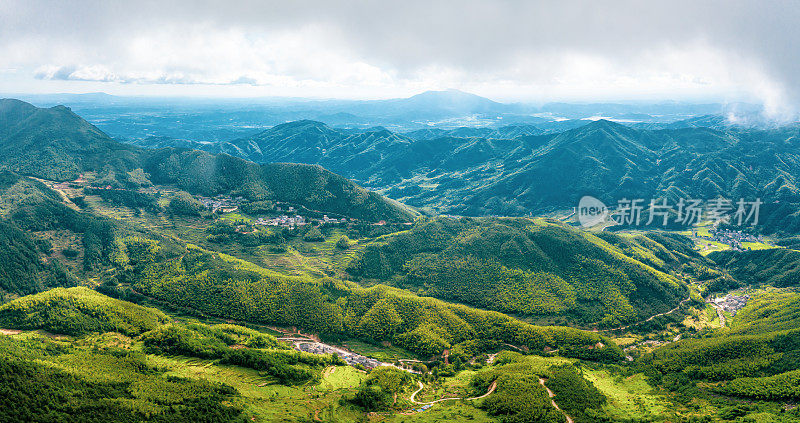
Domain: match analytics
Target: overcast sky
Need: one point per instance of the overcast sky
(509, 51)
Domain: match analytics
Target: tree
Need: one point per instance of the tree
(343, 243)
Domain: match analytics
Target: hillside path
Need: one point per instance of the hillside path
(551, 394)
(491, 389)
(721, 316)
(650, 318)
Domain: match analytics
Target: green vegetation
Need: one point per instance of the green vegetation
(519, 395)
(455, 172)
(381, 389)
(238, 346)
(22, 271)
(196, 340)
(186, 205)
(78, 311)
(530, 267)
(126, 221)
(43, 381)
(127, 198)
(313, 235)
(219, 285)
(32, 206)
(56, 144)
(785, 386)
(757, 358)
(778, 267)
(575, 395)
(343, 243)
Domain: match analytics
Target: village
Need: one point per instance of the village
(732, 238)
(731, 303)
(289, 220)
(352, 359)
(221, 204)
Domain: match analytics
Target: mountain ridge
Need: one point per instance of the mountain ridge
(483, 175)
(56, 144)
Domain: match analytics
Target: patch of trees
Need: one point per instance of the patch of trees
(197, 340)
(518, 398)
(239, 346)
(382, 388)
(38, 208)
(778, 267)
(128, 198)
(575, 395)
(184, 204)
(78, 311)
(225, 232)
(34, 390)
(219, 285)
(313, 235)
(22, 271)
(539, 269)
(759, 353)
(343, 243)
(258, 207)
(784, 386)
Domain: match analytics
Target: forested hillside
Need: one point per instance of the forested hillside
(22, 271)
(56, 144)
(78, 311)
(513, 172)
(531, 267)
(220, 285)
(778, 267)
(757, 358)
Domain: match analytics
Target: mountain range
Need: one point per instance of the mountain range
(213, 120)
(58, 145)
(519, 170)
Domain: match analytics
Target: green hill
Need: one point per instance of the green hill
(47, 380)
(473, 172)
(219, 285)
(310, 186)
(35, 208)
(778, 267)
(529, 267)
(56, 144)
(22, 270)
(758, 357)
(78, 311)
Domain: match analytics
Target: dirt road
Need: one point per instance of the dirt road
(491, 389)
(551, 395)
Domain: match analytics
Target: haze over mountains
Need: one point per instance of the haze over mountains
(56, 144)
(226, 119)
(520, 169)
(516, 170)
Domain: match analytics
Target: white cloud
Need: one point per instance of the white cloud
(530, 51)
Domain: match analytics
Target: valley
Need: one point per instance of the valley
(181, 285)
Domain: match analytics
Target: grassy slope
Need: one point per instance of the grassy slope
(78, 311)
(529, 267)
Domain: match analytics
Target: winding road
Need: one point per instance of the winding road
(551, 394)
(492, 387)
(649, 318)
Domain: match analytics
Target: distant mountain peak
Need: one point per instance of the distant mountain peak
(452, 95)
(301, 124)
(604, 124)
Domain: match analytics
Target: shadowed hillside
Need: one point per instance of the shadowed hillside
(56, 144)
